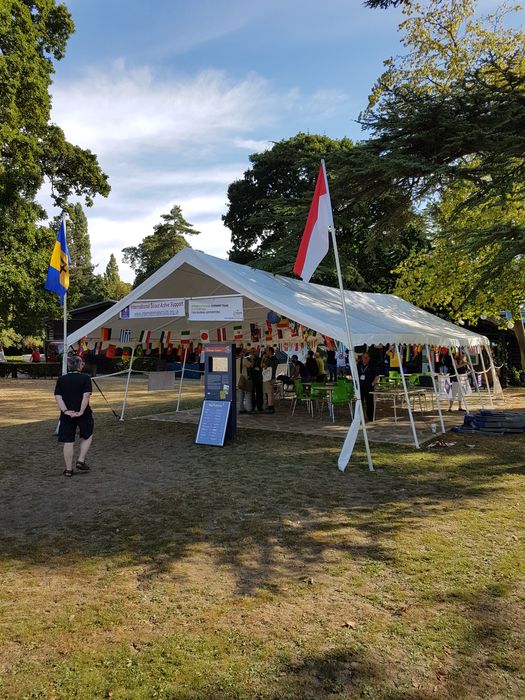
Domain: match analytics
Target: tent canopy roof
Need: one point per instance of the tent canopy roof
(374, 318)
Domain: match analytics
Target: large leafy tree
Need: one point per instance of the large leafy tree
(451, 112)
(33, 34)
(268, 208)
(167, 239)
(458, 281)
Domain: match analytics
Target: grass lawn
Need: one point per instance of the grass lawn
(256, 570)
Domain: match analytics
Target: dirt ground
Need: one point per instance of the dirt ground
(257, 570)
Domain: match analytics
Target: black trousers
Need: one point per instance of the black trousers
(368, 402)
(257, 396)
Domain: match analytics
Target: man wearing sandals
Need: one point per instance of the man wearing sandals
(72, 394)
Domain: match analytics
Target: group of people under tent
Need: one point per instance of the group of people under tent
(257, 373)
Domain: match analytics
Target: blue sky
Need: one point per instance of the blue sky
(174, 95)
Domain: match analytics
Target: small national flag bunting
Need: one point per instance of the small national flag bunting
(105, 334)
(83, 343)
(125, 336)
(205, 336)
(110, 352)
(254, 332)
(237, 332)
(185, 337)
(221, 334)
(148, 337)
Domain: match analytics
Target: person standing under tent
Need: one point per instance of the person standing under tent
(269, 365)
(321, 376)
(331, 365)
(72, 394)
(462, 367)
(244, 383)
(312, 369)
(257, 382)
(368, 378)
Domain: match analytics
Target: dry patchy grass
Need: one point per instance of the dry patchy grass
(256, 570)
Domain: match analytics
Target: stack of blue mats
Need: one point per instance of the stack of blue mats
(492, 423)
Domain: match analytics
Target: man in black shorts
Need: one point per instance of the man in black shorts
(72, 394)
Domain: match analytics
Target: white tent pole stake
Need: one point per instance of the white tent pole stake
(436, 389)
(486, 377)
(473, 373)
(182, 376)
(460, 388)
(127, 384)
(407, 397)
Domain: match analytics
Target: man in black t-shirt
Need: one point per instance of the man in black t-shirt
(368, 378)
(72, 393)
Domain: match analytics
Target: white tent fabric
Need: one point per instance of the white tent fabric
(374, 318)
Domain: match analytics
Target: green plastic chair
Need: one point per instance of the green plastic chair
(301, 397)
(342, 394)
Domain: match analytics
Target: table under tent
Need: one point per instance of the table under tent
(306, 313)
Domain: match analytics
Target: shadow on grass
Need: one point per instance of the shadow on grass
(268, 506)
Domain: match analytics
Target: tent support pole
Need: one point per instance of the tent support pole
(127, 384)
(435, 387)
(182, 376)
(473, 373)
(407, 397)
(358, 415)
(462, 396)
(495, 380)
(485, 377)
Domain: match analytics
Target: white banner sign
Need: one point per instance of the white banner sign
(154, 308)
(216, 309)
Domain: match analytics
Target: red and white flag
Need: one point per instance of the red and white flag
(221, 334)
(315, 241)
(205, 336)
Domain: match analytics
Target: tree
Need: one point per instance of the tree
(33, 150)
(115, 287)
(167, 239)
(453, 280)
(451, 112)
(268, 209)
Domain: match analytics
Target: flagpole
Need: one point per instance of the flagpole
(351, 353)
(64, 353)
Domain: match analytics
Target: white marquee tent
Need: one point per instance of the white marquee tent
(374, 318)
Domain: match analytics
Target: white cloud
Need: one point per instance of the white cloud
(122, 111)
(174, 140)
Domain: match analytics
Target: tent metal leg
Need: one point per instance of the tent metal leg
(485, 377)
(182, 377)
(407, 397)
(434, 386)
(462, 397)
(127, 384)
(473, 373)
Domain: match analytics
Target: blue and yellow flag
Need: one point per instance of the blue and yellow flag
(58, 272)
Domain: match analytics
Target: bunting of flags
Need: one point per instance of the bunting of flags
(185, 337)
(221, 335)
(205, 336)
(237, 333)
(105, 333)
(125, 336)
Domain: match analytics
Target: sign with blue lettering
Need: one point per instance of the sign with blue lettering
(213, 422)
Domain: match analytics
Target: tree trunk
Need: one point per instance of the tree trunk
(520, 335)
